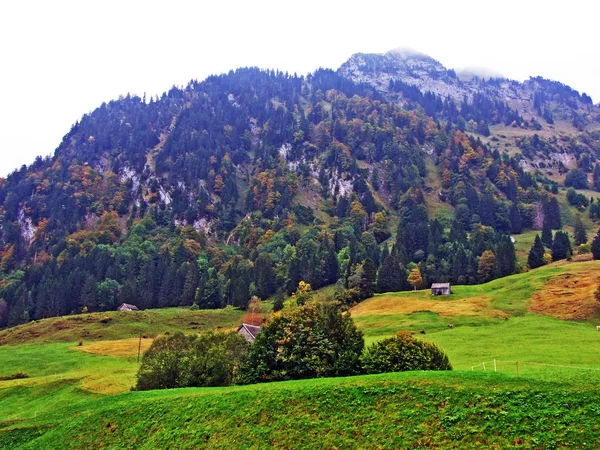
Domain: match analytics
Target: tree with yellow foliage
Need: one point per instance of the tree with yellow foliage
(415, 278)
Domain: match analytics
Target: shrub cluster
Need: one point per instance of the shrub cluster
(401, 353)
(308, 341)
(211, 359)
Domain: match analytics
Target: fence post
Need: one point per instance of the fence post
(483, 366)
(494, 365)
(517, 362)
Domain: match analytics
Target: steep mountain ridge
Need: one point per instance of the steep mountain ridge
(249, 182)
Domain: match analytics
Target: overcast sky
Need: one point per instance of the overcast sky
(61, 59)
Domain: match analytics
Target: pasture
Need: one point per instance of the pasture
(79, 396)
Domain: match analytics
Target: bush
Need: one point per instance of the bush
(211, 359)
(306, 342)
(401, 353)
(576, 178)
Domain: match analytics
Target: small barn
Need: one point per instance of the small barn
(441, 289)
(127, 307)
(249, 332)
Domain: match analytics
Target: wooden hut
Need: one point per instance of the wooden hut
(441, 289)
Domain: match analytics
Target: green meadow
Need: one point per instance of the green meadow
(79, 396)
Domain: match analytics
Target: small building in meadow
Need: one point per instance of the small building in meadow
(127, 307)
(440, 289)
(249, 332)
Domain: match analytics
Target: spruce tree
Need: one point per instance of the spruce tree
(596, 246)
(506, 260)
(547, 234)
(552, 213)
(391, 275)
(536, 254)
(561, 246)
(516, 221)
(579, 233)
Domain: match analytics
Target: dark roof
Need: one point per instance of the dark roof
(253, 330)
(128, 306)
(440, 285)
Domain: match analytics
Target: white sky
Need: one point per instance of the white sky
(61, 59)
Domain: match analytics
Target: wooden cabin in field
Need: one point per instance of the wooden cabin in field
(441, 289)
(127, 307)
(249, 332)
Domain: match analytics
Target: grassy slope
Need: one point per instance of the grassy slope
(462, 409)
(120, 325)
(406, 410)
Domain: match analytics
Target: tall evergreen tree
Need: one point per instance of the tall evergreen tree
(506, 259)
(547, 234)
(561, 246)
(552, 213)
(516, 221)
(391, 276)
(596, 246)
(536, 254)
(579, 233)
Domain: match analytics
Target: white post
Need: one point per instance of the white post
(483, 367)
(494, 365)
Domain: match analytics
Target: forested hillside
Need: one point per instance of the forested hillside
(248, 183)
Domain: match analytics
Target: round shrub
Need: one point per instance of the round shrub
(401, 353)
(310, 341)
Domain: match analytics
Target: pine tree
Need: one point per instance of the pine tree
(552, 213)
(580, 235)
(536, 254)
(506, 260)
(547, 234)
(516, 221)
(561, 246)
(391, 275)
(596, 246)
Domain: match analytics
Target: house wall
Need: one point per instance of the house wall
(247, 335)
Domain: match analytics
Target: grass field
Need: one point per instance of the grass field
(78, 396)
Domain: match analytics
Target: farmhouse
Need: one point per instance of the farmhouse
(127, 307)
(249, 332)
(440, 289)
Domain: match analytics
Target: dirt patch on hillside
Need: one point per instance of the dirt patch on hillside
(121, 347)
(385, 305)
(569, 296)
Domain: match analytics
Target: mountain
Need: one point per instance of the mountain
(249, 182)
(506, 113)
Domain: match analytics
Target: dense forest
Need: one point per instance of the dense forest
(248, 183)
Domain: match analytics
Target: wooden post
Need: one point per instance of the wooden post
(494, 365)
(517, 362)
(483, 367)
(139, 347)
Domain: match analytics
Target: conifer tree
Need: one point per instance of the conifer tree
(391, 275)
(596, 246)
(552, 213)
(579, 233)
(536, 254)
(547, 234)
(516, 221)
(561, 246)
(505, 257)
